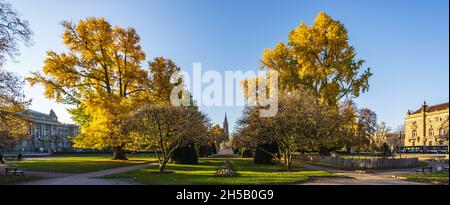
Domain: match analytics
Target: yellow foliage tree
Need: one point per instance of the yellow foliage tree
(101, 75)
(161, 70)
(14, 125)
(319, 57)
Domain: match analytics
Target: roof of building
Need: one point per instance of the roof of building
(40, 116)
(433, 108)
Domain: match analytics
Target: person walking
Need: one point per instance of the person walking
(1, 158)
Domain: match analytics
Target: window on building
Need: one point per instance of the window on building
(431, 132)
(441, 142)
(414, 133)
(442, 131)
(430, 143)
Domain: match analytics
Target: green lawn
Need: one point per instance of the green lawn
(204, 173)
(104, 155)
(80, 163)
(4, 180)
(440, 177)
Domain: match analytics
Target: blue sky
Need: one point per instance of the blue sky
(406, 43)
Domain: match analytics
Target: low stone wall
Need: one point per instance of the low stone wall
(362, 163)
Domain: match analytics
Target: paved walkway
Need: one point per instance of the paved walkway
(385, 177)
(90, 178)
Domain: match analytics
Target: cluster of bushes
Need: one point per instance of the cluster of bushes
(207, 150)
(262, 154)
(185, 155)
(189, 154)
(266, 153)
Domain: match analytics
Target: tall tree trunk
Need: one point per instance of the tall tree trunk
(119, 153)
(162, 166)
(289, 158)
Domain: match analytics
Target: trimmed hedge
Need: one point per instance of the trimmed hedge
(206, 150)
(213, 149)
(261, 155)
(185, 155)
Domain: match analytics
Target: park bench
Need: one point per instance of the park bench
(424, 169)
(14, 171)
(225, 169)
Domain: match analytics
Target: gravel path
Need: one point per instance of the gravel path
(385, 177)
(91, 178)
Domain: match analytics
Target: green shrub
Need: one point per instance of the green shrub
(206, 150)
(213, 149)
(185, 155)
(261, 155)
(385, 150)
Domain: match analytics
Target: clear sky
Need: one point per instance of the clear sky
(406, 43)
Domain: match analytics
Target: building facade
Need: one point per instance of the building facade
(427, 126)
(47, 134)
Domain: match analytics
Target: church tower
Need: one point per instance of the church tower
(225, 127)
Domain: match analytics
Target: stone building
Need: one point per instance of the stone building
(427, 126)
(47, 134)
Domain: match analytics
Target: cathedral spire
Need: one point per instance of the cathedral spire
(225, 127)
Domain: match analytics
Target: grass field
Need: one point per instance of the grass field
(247, 173)
(79, 163)
(440, 177)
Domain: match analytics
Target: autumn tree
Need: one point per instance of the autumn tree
(161, 85)
(210, 144)
(287, 128)
(320, 58)
(218, 135)
(380, 135)
(301, 125)
(318, 127)
(253, 130)
(318, 75)
(164, 128)
(101, 75)
(13, 30)
(366, 121)
(13, 122)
